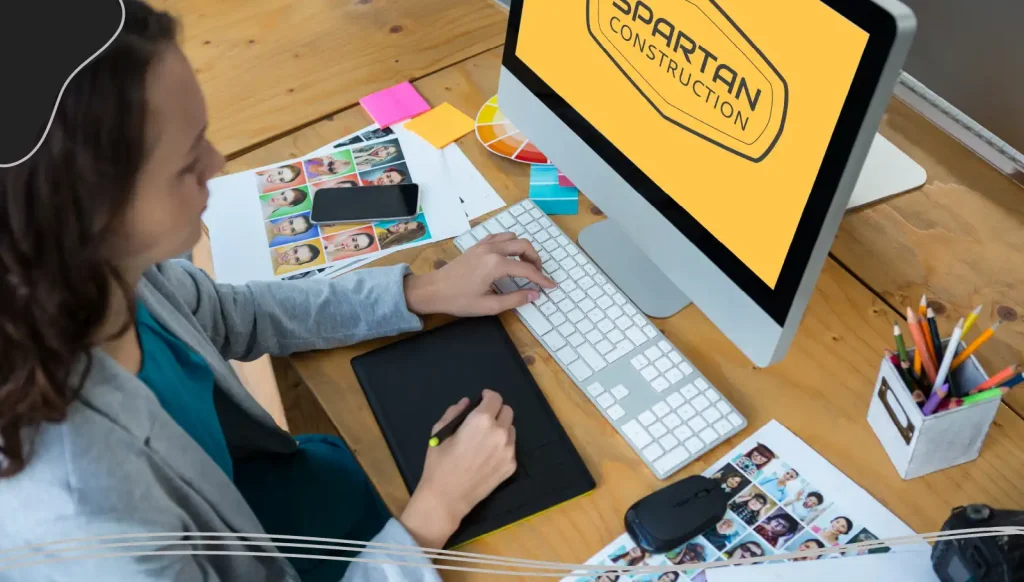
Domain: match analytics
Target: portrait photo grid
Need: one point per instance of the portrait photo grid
(774, 508)
(298, 248)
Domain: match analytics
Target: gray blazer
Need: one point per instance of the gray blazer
(119, 465)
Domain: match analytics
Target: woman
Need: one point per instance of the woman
(669, 577)
(607, 577)
(778, 529)
(750, 507)
(367, 157)
(349, 243)
(275, 179)
(388, 177)
(691, 553)
(775, 484)
(754, 461)
(400, 233)
(119, 413)
(632, 557)
(745, 550)
(286, 199)
(295, 256)
(327, 166)
(807, 506)
(723, 534)
(731, 481)
(811, 544)
(839, 526)
(283, 230)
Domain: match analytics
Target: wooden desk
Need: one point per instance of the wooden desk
(821, 391)
(960, 239)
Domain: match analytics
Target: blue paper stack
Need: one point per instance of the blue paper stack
(549, 195)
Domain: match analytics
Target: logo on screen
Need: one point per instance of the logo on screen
(695, 66)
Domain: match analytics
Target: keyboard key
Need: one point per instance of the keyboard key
(620, 392)
(586, 283)
(670, 460)
(683, 432)
(619, 299)
(647, 418)
(506, 219)
(600, 279)
(526, 219)
(575, 340)
(649, 373)
(572, 250)
(604, 302)
(722, 426)
(672, 419)
(575, 315)
(479, 231)
(660, 384)
(556, 295)
(552, 230)
(618, 352)
(735, 419)
(604, 346)
(559, 254)
(580, 260)
(665, 346)
(605, 325)
(686, 368)
(700, 403)
(605, 400)
(516, 210)
(557, 319)
(697, 424)
(663, 365)
(668, 442)
(548, 308)
(639, 320)
(636, 434)
(569, 286)
(623, 323)
(595, 292)
(675, 400)
(652, 452)
(639, 362)
(722, 406)
(585, 326)
(711, 415)
(575, 272)
(595, 389)
(494, 227)
(615, 336)
(689, 391)
(538, 240)
(566, 305)
(615, 312)
(661, 409)
(650, 331)
(567, 355)
(550, 245)
(590, 269)
(466, 241)
(594, 359)
(534, 318)
(686, 412)
(577, 295)
(533, 228)
(695, 445)
(587, 305)
(545, 221)
(559, 276)
(701, 383)
(616, 412)
(652, 353)
(541, 299)
(596, 315)
(709, 435)
(517, 230)
(675, 357)
(544, 256)
(580, 370)
(554, 340)
(658, 430)
(636, 336)
(536, 213)
(506, 285)
(527, 205)
(712, 395)
(629, 309)
(566, 329)
(674, 376)
(562, 241)
(594, 336)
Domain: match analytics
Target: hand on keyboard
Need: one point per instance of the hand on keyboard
(463, 287)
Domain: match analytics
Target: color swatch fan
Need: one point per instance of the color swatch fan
(497, 133)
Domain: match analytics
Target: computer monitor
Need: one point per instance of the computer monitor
(722, 138)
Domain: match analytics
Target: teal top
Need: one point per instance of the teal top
(183, 383)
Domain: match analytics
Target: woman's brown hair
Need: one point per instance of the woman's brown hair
(59, 211)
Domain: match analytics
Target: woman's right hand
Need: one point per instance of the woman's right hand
(463, 470)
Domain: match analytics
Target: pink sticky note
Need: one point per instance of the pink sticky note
(563, 180)
(394, 104)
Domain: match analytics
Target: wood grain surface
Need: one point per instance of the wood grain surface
(270, 66)
(821, 391)
(960, 239)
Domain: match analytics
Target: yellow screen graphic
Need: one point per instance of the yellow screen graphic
(727, 105)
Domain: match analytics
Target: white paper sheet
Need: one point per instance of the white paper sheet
(840, 496)
(896, 566)
(476, 194)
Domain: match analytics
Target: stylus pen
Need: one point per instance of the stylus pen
(449, 429)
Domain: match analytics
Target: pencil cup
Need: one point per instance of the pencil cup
(919, 444)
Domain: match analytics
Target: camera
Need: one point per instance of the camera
(998, 558)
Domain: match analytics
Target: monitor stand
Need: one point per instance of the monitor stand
(887, 171)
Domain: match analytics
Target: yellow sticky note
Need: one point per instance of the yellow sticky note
(441, 125)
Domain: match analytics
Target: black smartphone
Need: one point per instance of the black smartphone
(364, 203)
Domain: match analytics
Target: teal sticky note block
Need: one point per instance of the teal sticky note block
(555, 199)
(543, 174)
(554, 206)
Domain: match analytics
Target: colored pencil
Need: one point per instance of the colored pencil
(915, 392)
(947, 358)
(1019, 378)
(977, 343)
(934, 335)
(901, 347)
(997, 379)
(922, 312)
(983, 396)
(916, 331)
(938, 395)
(971, 318)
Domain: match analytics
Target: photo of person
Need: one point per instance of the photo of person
(694, 551)
(279, 178)
(670, 577)
(304, 275)
(296, 256)
(779, 528)
(807, 505)
(350, 243)
(754, 461)
(290, 229)
(630, 557)
(396, 233)
(347, 142)
(752, 505)
(725, 532)
(776, 482)
(386, 175)
(865, 536)
(349, 181)
(804, 542)
(370, 156)
(329, 166)
(733, 481)
(379, 133)
(833, 528)
(286, 202)
(607, 577)
(749, 546)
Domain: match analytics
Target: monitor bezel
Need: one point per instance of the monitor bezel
(777, 303)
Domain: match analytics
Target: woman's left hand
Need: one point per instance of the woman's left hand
(463, 286)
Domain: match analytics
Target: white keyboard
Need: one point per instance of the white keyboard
(651, 394)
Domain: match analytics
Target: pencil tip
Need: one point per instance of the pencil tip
(931, 313)
(924, 299)
(977, 310)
